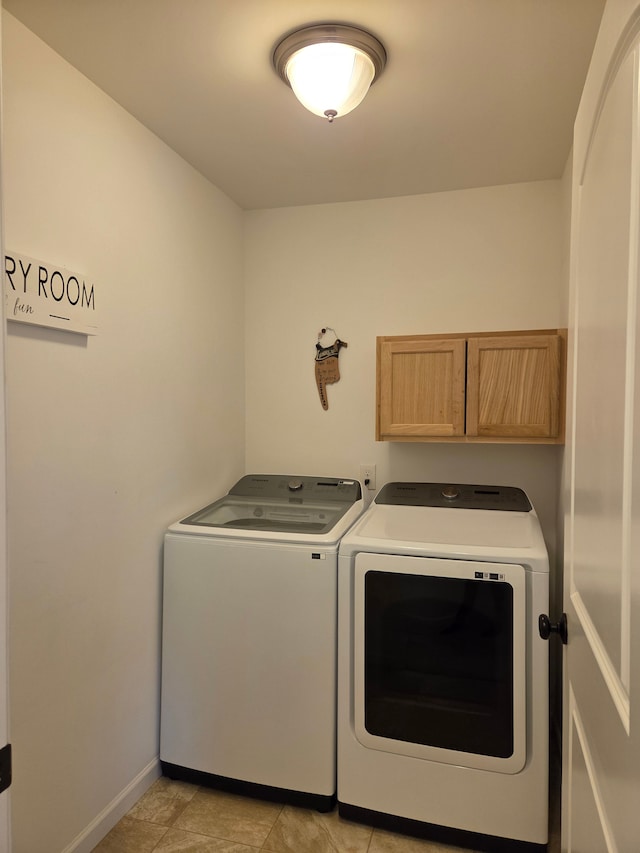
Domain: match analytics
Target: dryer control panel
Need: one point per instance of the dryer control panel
(454, 495)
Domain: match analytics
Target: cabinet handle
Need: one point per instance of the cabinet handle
(546, 627)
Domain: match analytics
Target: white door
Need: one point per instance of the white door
(601, 761)
(5, 842)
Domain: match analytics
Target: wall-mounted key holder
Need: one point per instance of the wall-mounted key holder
(327, 369)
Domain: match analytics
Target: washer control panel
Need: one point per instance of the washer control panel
(286, 487)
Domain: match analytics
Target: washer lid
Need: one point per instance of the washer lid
(280, 504)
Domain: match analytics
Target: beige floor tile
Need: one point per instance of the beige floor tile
(390, 842)
(298, 830)
(165, 800)
(131, 836)
(179, 841)
(234, 818)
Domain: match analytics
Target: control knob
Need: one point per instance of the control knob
(450, 493)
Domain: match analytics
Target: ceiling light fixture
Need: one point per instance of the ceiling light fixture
(330, 67)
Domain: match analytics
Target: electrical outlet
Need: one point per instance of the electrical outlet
(368, 476)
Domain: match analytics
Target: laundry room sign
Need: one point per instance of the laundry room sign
(43, 294)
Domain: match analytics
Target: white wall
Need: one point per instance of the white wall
(476, 260)
(110, 437)
(565, 189)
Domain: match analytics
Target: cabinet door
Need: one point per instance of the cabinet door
(513, 386)
(421, 388)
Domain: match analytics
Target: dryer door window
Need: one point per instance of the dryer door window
(440, 659)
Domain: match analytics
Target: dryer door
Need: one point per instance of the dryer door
(440, 660)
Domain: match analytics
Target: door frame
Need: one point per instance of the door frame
(5, 796)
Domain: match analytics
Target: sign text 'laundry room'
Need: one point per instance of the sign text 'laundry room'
(42, 294)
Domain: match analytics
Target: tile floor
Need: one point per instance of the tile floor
(175, 817)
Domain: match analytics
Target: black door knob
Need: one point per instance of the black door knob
(546, 627)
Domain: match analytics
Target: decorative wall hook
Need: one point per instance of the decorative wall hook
(327, 370)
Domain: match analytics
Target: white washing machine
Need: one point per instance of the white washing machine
(249, 638)
(442, 676)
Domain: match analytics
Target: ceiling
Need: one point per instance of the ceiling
(475, 92)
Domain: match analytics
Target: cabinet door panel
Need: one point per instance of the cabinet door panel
(513, 386)
(422, 388)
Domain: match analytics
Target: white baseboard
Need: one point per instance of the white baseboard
(117, 808)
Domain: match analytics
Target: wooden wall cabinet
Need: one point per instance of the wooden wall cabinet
(483, 387)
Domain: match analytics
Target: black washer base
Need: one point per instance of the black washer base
(319, 802)
(442, 834)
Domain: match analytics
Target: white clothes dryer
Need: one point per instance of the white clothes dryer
(442, 676)
(249, 639)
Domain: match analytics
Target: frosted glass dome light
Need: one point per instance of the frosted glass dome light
(329, 67)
